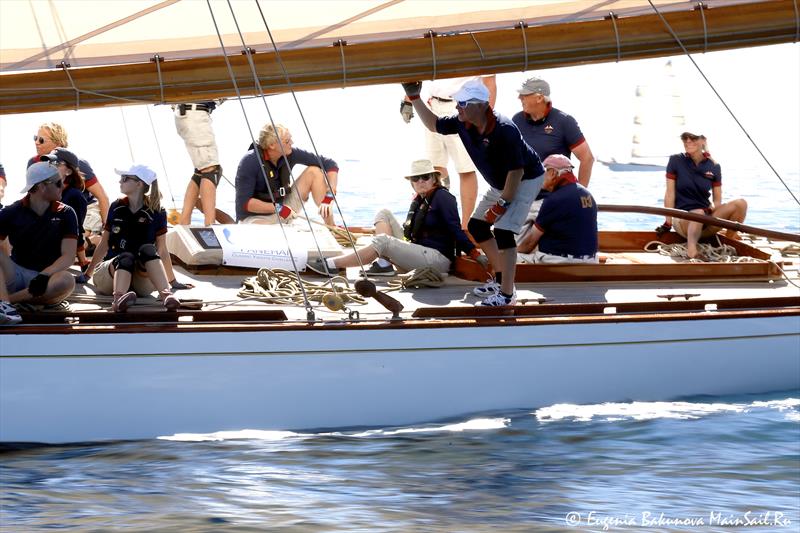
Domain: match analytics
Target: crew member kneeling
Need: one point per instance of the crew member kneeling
(566, 227)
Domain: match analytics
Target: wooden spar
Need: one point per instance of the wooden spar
(705, 219)
(552, 45)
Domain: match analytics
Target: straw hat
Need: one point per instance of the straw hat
(421, 167)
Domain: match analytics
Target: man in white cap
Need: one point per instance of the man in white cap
(441, 148)
(44, 234)
(507, 163)
(566, 226)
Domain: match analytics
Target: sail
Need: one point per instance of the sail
(71, 54)
(658, 117)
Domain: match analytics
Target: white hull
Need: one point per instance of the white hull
(67, 388)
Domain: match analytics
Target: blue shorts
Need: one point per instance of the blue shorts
(22, 278)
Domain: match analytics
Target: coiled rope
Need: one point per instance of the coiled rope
(722, 253)
(284, 287)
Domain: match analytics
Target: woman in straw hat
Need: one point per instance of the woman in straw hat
(430, 236)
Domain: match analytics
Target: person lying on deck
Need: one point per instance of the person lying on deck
(133, 243)
(692, 177)
(43, 233)
(260, 201)
(565, 229)
(430, 236)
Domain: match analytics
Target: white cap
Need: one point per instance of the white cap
(140, 171)
(37, 173)
(472, 91)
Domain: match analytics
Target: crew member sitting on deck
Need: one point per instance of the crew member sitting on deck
(260, 202)
(430, 236)
(133, 242)
(566, 226)
(691, 177)
(43, 233)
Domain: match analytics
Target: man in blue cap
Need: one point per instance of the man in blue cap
(512, 169)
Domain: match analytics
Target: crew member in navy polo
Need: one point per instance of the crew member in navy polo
(258, 203)
(692, 177)
(551, 131)
(43, 233)
(512, 169)
(566, 226)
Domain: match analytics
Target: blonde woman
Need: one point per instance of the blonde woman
(133, 243)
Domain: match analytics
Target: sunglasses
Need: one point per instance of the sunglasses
(690, 137)
(40, 140)
(424, 177)
(128, 177)
(57, 183)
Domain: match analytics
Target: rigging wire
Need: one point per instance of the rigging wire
(127, 135)
(290, 85)
(256, 148)
(260, 90)
(161, 156)
(719, 96)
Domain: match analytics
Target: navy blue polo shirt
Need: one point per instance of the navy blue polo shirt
(496, 152)
(128, 231)
(89, 177)
(36, 240)
(75, 199)
(442, 229)
(693, 183)
(568, 218)
(555, 133)
(250, 181)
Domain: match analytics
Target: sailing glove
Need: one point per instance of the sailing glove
(494, 213)
(284, 211)
(478, 257)
(412, 89)
(406, 111)
(663, 228)
(38, 285)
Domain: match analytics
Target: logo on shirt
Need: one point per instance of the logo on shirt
(142, 220)
(115, 229)
(486, 142)
(709, 174)
(548, 129)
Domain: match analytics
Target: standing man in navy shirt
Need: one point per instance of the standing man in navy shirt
(44, 236)
(566, 226)
(512, 169)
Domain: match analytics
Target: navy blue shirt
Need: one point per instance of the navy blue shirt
(250, 181)
(128, 231)
(36, 240)
(555, 133)
(568, 218)
(75, 199)
(89, 177)
(442, 229)
(693, 183)
(497, 151)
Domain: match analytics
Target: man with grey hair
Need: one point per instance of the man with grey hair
(261, 202)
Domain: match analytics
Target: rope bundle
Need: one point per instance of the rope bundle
(723, 253)
(417, 278)
(282, 287)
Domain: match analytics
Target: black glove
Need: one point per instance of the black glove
(178, 286)
(663, 228)
(38, 285)
(412, 89)
(406, 111)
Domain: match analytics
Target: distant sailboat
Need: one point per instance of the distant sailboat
(657, 121)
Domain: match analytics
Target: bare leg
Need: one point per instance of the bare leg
(508, 258)
(312, 182)
(157, 275)
(208, 200)
(189, 201)
(468, 194)
(735, 211)
(367, 254)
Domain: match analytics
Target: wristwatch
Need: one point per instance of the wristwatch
(503, 203)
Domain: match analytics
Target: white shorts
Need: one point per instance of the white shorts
(440, 148)
(406, 255)
(197, 133)
(513, 219)
(103, 280)
(93, 222)
(533, 212)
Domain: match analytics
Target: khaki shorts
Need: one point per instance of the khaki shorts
(513, 219)
(197, 133)
(406, 255)
(93, 221)
(104, 281)
(440, 147)
(292, 201)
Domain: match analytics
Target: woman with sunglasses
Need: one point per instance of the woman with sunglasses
(692, 177)
(430, 236)
(133, 243)
(72, 195)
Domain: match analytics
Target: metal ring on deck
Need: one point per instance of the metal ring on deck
(613, 17)
(432, 34)
(157, 59)
(521, 25)
(341, 44)
(64, 65)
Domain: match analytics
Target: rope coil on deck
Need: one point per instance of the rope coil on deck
(282, 287)
(723, 253)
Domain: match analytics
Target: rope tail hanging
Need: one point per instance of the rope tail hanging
(306, 302)
(722, 100)
(308, 132)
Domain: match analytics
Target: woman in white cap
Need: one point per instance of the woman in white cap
(132, 244)
(693, 176)
(430, 236)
